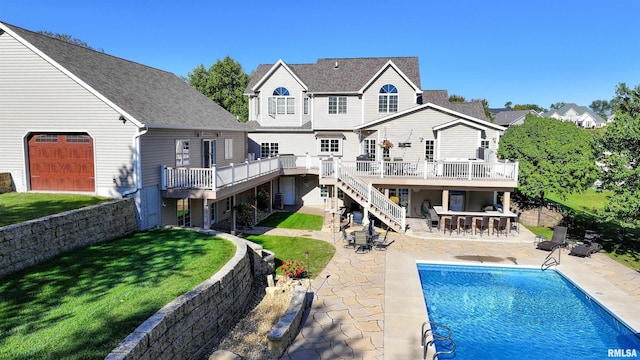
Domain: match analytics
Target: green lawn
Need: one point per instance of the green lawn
(293, 248)
(589, 201)
(288, 220)
(82, 304)
(581, 211)
(19, 207)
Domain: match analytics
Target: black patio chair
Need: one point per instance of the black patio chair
(466, 224)
(558, 239)
(500, 226)
(482, 225)
(451, 224)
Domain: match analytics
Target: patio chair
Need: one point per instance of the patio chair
(361, 243)
(381, 244)
(558, 239)
(451, 224)
(500, 226)
(514, 224)
(482, 225)
(349, 240)
(466, 224)
(589, 245)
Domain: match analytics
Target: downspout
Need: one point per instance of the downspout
(137, 172)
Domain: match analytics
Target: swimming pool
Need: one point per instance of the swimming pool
(508, 313)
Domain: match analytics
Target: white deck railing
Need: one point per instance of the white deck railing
(215, 178)
(374, 198)
(443, 170)
(219, 177)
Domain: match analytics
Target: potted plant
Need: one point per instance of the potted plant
(386, 144)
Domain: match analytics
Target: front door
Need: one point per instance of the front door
(208, 153)
(288, 189)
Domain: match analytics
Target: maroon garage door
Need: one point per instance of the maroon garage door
(61, 162)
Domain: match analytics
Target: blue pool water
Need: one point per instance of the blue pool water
(506, 313)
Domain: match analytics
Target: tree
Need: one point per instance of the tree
(554, 157)
(457, 98)
(508, 104)
(602, 107)
(533, 107)
(485, 107)
(619, 154)
(224, 82)
(557, 105)
(68, 38)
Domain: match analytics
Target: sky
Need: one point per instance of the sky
(525, 52)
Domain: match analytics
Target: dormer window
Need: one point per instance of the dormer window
(388, 99)
(281, 102)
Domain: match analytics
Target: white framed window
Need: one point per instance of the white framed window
(305, 106)
(269, 150)
(484, 144)
(281, 103)
(330, 146)
(370, 147)
(429, 150)
(388, 99)
(228, 149)
(182, 152)
(337, 104)
(184, 212)
(324, 191)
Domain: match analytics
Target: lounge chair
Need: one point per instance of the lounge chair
(589, 245)
(558, 239)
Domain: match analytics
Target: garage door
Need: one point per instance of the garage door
(62, 162)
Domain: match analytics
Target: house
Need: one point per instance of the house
(512, 117)
(356, 132)
(78, 120)
(582, 116)
(378, 135)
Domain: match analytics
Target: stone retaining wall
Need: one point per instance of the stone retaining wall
(29, 243)
(191, 326)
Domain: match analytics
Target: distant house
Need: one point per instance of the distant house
(512, 117)
(582, 116)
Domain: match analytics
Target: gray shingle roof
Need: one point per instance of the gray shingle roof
(154, 97)
(350, 75)
(506, 118)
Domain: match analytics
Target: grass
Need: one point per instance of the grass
(293, 248)
(581, 210)
(589, 201)
(82, 304)
(288, 220)
(19, 207)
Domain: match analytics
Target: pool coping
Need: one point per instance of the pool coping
(405, 309)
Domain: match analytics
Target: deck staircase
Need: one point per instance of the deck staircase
(372, 200)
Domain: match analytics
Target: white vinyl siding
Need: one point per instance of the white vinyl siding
(406, 94)
(36, 97)
(324, 120)
(281, 111)
(459, 142)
